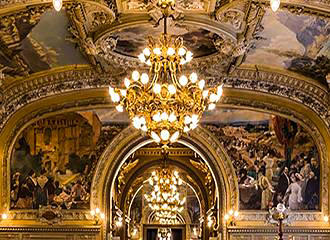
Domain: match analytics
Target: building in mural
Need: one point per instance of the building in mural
(53, 160)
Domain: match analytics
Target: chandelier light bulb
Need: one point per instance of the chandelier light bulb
(102, 216)
(127, 82)
(157, 88)
(156, 138)
(111, 91)
(171, 89)
(120, 108)
(148, 62)
(170, 51)
(146, 52)
(173, 139)
(164, 116)
(194, 118)
(142, 57)
(183, 80)
(193, 126)
(211, 106)
(123, 92)
(187, 120)
(193, 77)
(186, 129)
(275, 4)
(156, 117)
(144, 128)
(115, 97)
(220, 90)
(189, 56)
(97, 210)
(92, 213)
(144, 78)
(213, 97)
(157, 51)
(205, 93)
(201, 84)
(135, 75)
(136, 122)
(172, 117)
(57, 4)
(182, 51)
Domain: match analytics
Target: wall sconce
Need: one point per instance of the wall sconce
(97, 215)
(326, 218)
(4, 216)
(231, 216)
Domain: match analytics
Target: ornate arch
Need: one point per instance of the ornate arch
(130, 140)
(86, 91)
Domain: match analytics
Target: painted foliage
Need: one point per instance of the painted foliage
(54, 159)
(276, 160)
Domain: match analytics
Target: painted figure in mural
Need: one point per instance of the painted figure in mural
(266, 188)
(265, 153)
(293, 196)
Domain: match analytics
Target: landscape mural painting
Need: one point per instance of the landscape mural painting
(276, 160)
(53, 161)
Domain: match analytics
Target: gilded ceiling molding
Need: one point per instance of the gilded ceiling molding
(17, 5)
(317, 8)
(294, 87)
(284, 84)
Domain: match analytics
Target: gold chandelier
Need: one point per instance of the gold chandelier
(164, 103)
(165, 199)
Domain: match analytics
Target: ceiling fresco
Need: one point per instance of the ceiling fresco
(46, 46)
(298, 43)
(132, 41)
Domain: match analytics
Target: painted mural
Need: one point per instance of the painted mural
(298, 43)
(275, 159)
(54, 159)
(132, 41)
(43, 49)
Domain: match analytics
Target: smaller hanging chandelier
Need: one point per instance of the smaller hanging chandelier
(165, 102)
(164, 234)
(165, 199)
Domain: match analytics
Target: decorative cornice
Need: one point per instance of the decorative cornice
(61, 229)
(300, 230)
(276, 82)
(73, 78)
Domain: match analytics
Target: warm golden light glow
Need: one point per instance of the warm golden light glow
(164, 199)
(164, 102)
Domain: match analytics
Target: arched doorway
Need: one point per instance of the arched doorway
(132, 159)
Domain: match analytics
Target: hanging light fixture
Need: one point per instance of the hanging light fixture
(275, 4)
(164, 199)
(57, 4)
(165, 102)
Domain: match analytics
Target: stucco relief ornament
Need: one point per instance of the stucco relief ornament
(50, 215)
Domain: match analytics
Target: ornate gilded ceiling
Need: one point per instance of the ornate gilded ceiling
(108, 35)
(91, 45)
